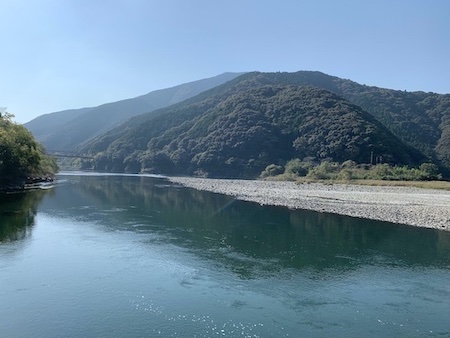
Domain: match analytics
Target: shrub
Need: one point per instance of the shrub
(430, 171)
(345, 175)
(297, 167)
(272, 170)
(349, 164)
(325, 170)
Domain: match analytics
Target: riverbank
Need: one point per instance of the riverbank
(426, 208)
(26, 184)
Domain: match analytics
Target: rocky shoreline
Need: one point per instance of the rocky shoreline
(403, 205)
(25, 184)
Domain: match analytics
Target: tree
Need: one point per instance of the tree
(21, 156)
(430, 171)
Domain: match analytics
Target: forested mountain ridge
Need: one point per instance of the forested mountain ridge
(421, 120)
(68, 129)
(237, 129)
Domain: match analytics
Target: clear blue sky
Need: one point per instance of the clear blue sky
(62, 54)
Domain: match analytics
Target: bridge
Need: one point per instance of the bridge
(70, 154)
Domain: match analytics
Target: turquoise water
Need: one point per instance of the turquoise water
(134, 256)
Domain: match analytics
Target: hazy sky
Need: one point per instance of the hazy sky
(63, 54)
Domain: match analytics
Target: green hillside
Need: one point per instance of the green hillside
(421, 120)
(237, 129)
(67, 130)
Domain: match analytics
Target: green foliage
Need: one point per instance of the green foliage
(239, 129)
(272, 170)
(241, 126)
(346, 174)
(350, 170)
(324, 171)
(349, 164)
(20, 155)
(421, 120)
(298, 167)
(430, 171)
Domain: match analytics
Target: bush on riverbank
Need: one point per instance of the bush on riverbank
(22, 158)
(350, 170)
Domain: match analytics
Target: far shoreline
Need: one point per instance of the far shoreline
(419, 207)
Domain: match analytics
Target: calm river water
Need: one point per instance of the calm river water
(134, 256)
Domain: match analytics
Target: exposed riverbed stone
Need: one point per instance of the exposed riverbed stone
(404, 205)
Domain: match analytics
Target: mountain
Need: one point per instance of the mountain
(66, 130)
(421, 120)
(238, 128)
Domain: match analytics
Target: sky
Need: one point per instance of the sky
(66, 54)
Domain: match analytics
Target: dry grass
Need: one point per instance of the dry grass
(443, 185)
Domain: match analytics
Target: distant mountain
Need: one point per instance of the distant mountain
(66, 130)
(238, 128)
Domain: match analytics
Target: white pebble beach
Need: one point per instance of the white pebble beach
(419, 207)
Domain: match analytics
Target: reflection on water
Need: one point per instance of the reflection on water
(17, 212)
(138, 257)
(247, 238)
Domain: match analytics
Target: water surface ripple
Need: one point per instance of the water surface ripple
(136, 256)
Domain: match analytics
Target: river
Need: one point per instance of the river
(136, 256)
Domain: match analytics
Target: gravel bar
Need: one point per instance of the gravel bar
(403, 205)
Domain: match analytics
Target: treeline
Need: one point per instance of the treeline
(350, 170)
(22, 158)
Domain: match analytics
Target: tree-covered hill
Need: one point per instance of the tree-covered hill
(237, 129)
(421, 120)
(68, 129)
(22, 159)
